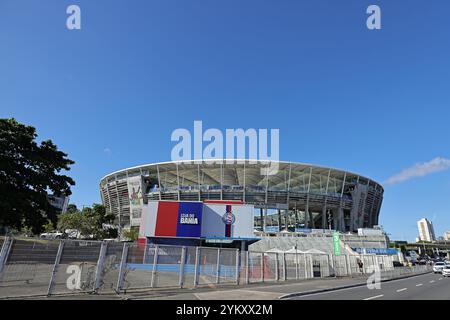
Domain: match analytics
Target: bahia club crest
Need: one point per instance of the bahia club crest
(228, 219)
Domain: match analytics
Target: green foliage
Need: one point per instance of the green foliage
(70, 220)
(49, 227)
(29, 170)
(132, 234)
(89, 222)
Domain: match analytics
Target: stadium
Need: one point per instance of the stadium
(297, 199)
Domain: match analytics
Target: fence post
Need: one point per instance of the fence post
(322, 273)
(196, 268)
(346, 266)
(182, 262)
(145, 253)
(247, 267)
(5, 243)
(297, 266)
(284, 267)
(99, 269)
(329, 265)
(349, 265)
(238, 266)
(155, 263)
(218, 266)
(123, 264)
(55, 266)
(306, 267)
(262, 267)
(4, 254)
(311, 265)
(363, 259)
(333, 268)
(277, 272)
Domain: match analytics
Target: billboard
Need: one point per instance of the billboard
(228, 221)
(172, 219)
(136, 200)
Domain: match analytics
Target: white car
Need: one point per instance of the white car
(52, 235)
(446, 271)
(438, 267)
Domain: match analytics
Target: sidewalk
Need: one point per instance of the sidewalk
(265, 291)
(260, 291)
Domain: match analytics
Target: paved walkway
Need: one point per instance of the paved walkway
(260, 291)
(257, 291)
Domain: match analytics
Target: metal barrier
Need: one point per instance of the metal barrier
(30, 267)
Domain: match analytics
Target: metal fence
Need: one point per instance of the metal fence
(31, 267)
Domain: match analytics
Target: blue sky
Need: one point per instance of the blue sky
(110, 94)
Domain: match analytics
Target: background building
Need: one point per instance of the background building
(447, 236)
(426, 230)
(298, 198)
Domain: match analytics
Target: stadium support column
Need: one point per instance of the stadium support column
(178, 182)
(118, 205)
(159, 181)
(339, 219)
(324, 217)
(286, 219)
(261, 216)
(265, 219)
(341, 222)
(324, 210)
(199, 184)
(308, 216)
(288, 196)
(311, 220)
(371, 215)
(279, 220)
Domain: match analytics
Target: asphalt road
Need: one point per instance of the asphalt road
(424, 287)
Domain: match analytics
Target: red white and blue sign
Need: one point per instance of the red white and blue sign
(172, 219)
(229, 219)
(179, 219)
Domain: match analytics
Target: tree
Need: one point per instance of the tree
(132, 234)
(90, 222)
(28, 172)
(49, 227)
(70, 220)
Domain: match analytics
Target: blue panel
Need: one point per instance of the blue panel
(379, 251)
(190, 220)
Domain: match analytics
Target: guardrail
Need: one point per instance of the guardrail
(34, 267)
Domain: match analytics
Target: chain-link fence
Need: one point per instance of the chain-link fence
(30, 267)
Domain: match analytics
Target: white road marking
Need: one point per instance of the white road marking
(373, 298)
(419, 285)
(331, 291)
(440, 279)
(432, 281)
(401, 290)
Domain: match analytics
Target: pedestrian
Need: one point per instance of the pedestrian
(360, 265)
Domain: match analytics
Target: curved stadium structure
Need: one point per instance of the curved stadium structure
(299, 197)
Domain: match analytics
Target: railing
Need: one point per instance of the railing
(30, 267)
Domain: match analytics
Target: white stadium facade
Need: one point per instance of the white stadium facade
(296, 199)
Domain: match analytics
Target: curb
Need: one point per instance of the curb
(306, 293)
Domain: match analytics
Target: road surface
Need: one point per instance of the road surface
(424, 287)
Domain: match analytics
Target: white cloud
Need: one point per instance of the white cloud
(420, 170)
(107, 151)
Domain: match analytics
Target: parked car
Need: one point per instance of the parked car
(53, 235)
(73, 234)
(438, 267)
(423, 262)
(446, 271)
